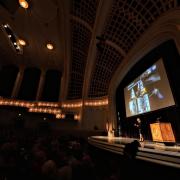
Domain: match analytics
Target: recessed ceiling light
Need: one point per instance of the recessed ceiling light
(24, 4)
(49, 46)
(22, 42)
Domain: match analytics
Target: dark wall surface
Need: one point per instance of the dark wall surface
(8, 76)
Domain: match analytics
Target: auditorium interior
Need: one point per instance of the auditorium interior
(89, 89)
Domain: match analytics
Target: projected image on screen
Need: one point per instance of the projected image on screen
(150, 91)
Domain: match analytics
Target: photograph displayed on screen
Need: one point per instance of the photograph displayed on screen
(148, 92)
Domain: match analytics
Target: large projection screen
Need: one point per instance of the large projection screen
(148, 92)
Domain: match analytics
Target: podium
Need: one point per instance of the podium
(162, 132)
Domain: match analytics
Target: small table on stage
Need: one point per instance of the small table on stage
(162, 132)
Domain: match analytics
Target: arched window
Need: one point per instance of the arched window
(29, 84)
(51, 86)
(8, 76)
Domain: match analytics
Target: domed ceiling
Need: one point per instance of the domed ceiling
(91, 38)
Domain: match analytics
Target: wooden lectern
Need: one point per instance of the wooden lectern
(162, 132)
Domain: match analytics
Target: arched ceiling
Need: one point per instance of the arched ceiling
(126, 21)
(72, 26)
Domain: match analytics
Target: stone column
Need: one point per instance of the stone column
(18, 82)
(41, 85)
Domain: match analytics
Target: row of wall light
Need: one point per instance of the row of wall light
(96, 102)
(48, 104)
(72, 105)
(8, 102)
(32, 107)
(20, 103)
(60, 116)
(51, 107)
(45, 110)
(102, 102)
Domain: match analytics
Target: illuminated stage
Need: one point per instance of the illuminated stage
(149, 151)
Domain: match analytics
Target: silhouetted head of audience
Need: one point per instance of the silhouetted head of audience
(131, 149)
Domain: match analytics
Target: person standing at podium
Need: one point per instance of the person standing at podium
(138, 125)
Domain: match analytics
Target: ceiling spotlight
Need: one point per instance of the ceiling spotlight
(24, 4)
(5, 26)
(14, 43)
(22, 42)
(9, 36)
(49, 46)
